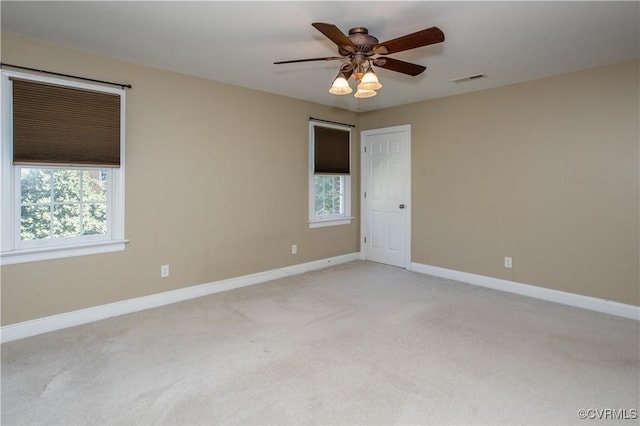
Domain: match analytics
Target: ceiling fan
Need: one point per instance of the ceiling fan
(359, 48)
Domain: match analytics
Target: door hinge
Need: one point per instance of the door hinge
(365, 240)
(365, 194)
(365, 149)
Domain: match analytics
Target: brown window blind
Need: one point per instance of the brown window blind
(331, 151)
(54, 125)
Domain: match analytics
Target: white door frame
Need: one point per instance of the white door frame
(363, 185)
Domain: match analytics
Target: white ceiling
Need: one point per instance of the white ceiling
(237, 42)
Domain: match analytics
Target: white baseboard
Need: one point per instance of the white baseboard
(96, 313)
(570, 299)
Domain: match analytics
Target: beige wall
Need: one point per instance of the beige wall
(216, 186)
(546, 172)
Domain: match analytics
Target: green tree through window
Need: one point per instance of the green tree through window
(328, 193)
(62, 202)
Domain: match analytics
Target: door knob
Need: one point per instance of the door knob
(401, 206)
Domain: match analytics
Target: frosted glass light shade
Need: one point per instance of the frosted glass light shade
(364, 93)
(369, 81)
(340, 86)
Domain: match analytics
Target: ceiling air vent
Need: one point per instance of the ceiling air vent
(469, 78)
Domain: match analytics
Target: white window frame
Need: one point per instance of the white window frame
(13, 250)
(333, 220)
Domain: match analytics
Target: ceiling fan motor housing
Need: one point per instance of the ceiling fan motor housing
(361, 38)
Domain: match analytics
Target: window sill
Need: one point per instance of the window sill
(330, 222)
(59, 252)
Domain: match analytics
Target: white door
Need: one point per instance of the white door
(386, 183)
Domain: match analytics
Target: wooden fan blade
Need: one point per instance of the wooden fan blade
(330, 58)
(334, 34)
(399, 66)
(425, 37)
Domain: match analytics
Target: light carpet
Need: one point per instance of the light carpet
(359, 343)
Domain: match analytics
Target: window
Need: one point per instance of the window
(329, 179)
(329, 196)
(62, 203)
(62, 168)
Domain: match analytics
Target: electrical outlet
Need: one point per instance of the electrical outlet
(294, 249)
(507, 262)
(164, 271)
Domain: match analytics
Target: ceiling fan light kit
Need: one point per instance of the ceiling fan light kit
(359, 47)
(366, 88)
